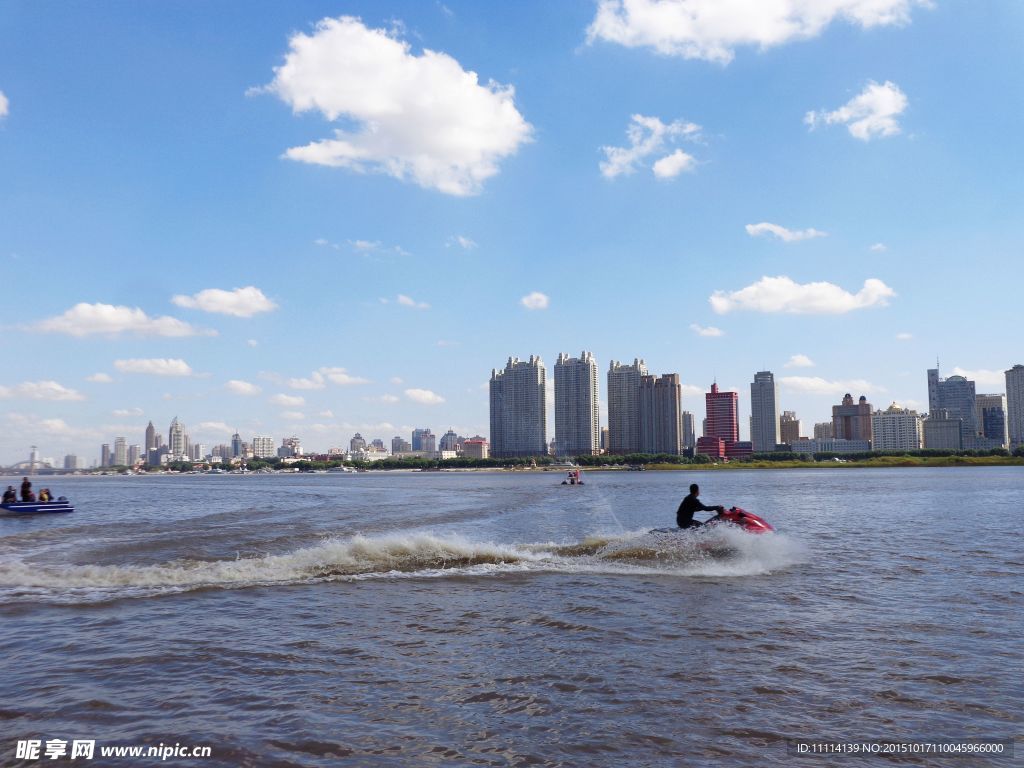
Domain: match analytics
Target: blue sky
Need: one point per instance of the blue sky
(389, 213)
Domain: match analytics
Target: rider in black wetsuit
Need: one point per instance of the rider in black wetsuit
(691, 504)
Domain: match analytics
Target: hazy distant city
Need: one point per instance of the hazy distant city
(644, 416)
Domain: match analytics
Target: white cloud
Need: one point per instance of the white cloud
(709, 330)
(240, 302)
(712, 29)
(252, 343)
(100, 378)
(156, 366)
(786, 235)
(984, 376)
(40, 390)
(781, 294)
(535, 300)
(239, 387)
(293, 415)
(647, 136)
(691, 390)
(408, 301)
(869, 114)
(86, 319)
(121, 412)
(904, 336)
(215, 426)
(800, 361)
(424, 396)
(288, 401)
(5, 105)
(316, 381)
(815, 385)
(364, 246)
(879, 248)
(447, 343)
(382, 399)
(466, 243)
(328, 414)
(396, 380)
(420, 118)
(672, 165)
(320, 377)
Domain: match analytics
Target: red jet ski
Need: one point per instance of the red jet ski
(748, 521)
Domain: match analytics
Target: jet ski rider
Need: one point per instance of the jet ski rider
(691, 504)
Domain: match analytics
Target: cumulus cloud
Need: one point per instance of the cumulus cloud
(786, 235)
(215, 426)
(40, 390)
(869, 114)
(288, 401)
(100, 378)
(252, 343)
(904, 336)
(988, 377)
(293, 415)
(713, 29)
(89, 319)
(156, 366)
(408, 301)
(416, 118)
(5, 105)
(239, 387)
(465, 243)
(709, 330)
(535, 300)
(879, 248)
(800, 361)
(239, 302)
(815, 385)
(648, 136)
(122, 412)
(781, 294)
(320, 378)
(424, 396)
(691, 390)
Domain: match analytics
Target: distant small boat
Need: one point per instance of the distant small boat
(36, 507)
(342, 469)
(216, 471)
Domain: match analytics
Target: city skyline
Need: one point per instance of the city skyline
(804, 204)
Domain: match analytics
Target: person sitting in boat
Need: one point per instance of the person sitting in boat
(26, 489)
(30, 496)
(44, 496)
(10, 496)
(691, 504)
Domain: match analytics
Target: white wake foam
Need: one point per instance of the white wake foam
(724, 552)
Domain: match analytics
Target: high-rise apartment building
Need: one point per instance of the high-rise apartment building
(852, 421)
(577, 414)
(263, 447)
(449, 441)
(120, 452)
(106, 456)
(955, 395)
(357, 443)
(764, 413)
(896, 429)
(400, 445)
(134, 454)
(943, 431)
(661, 415)
(789, 428)
(624, 406)
(71, 461)
(291, 447)
(1015, 405)
(518, 409)
(236, 446)
(823, 430)
(990, 416)
(424, 440)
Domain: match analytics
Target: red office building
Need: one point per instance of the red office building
(722, 426)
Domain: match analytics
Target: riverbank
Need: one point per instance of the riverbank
(876, 462)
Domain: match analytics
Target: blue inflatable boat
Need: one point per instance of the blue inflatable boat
(36, 507)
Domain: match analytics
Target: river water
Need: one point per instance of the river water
(503, 619)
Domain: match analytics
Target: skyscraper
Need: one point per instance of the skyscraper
(400, 445)
(1015, 405)
(789, 428)
(764, 414)
(176, 441)
(577, 414)
(120, 452)
(105, 455)
(422, 439)
(518, 405)
(357, 443)
(852, 421)
(449, 441)
(689, 437)
(624, 406)
(722, 415)
(955, 395)
(263, 447)
(151, 439)
(661, 423)
(823, 430)
(236, 446)
(990, 416)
